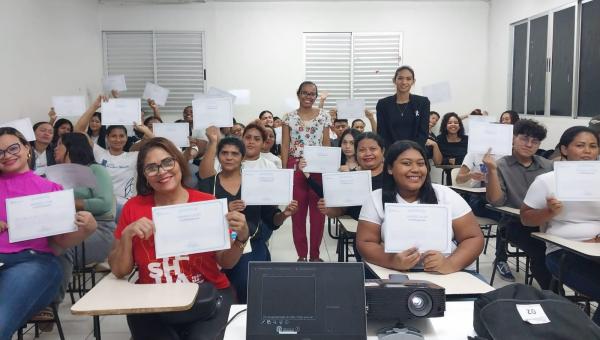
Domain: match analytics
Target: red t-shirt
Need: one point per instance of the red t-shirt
(188, 268)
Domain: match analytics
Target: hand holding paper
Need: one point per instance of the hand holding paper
(114, 83)
(279, 181)
(175, 132)
(484, 136)
(322, 159)
(69, 106)
(577, 180)
(345, 189)
(350, 108)
(122, 111)
(217, 111)
(157, 93)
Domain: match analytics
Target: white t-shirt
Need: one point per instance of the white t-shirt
(372, 210)
(577, 221)
(41, 163)
(472, 161)
(271, 157)
(122, 170)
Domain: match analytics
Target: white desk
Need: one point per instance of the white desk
(505, 210)
(456, 324)
(456, 284)
(468, 190)
(590, 250)
(349, 223)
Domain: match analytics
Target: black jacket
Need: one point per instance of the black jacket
(49, 155)
(390, 123)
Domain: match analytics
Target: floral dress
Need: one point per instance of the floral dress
(305, 132)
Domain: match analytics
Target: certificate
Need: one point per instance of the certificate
(116, 82)
(350, 108)
(156, 93)
(213, 111)
(322, 159)
(71, 175)
(190, 228)
(69, 106)
(23, 126)
(484, 136)
(278, 132)
(267, 186)
(36, 216)
(175, 132)
(346, 189)
(121, 111)
(577, 180)
(424, 226)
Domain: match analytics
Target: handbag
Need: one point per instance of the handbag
(205, 307)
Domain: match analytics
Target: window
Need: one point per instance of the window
(353, 65)
(174, 60)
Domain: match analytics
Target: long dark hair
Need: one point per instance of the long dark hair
(354, 133)
(389, 189)
(78, 148)
(14, 132)
(444, 125)
(569, 135)
(101, 134)
(57, 124)
(142, 186)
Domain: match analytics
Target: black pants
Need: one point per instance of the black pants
(151, 326)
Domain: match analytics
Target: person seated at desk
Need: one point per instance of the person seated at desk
(30, 274)
(508, 181)
(161, 172)
(452, 140)
(571, 220)
(406, 180)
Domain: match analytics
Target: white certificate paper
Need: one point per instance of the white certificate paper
(577, 180)
(190, 228)
(114, 82)
(23, 126)
(175, 132)
(157, 93)
(425, 226)
(346, 189)
(36, 216)
(350, 108)
(267, 186)
(71, 175)
(483, 136)
(121, 111)
(69, 106)
(322, 159)
(213, 111)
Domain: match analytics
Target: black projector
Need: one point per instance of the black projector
(405, 300)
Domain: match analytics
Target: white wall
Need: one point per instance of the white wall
(48, 48)
(502, 14)
(258, 45)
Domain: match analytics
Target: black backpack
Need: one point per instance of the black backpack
(496, 316)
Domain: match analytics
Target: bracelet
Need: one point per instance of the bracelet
(242, 244)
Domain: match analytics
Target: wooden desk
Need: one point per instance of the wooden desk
(505, 210)
(468, 190)
(456, 324)
(112, 296)
(585, 249)
(458, 285)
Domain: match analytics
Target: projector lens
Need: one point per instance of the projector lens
(419, 303)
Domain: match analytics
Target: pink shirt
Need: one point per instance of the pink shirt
(16, 185)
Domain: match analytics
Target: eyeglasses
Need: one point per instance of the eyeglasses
(526, 140)
(308, 94)
(12, 149)
(153, 169)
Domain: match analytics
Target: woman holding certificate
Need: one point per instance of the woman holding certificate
(306, 126)
(31, 274)
(161, 172)
(574, 218)
(406, 181)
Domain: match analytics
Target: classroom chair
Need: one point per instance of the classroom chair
(36, 323)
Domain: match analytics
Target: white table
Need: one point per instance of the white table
(514, 212)
(456, 324)
(468, 190)
(586, 249)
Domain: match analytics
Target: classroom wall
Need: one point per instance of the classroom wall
(48, 48)
(502, 14)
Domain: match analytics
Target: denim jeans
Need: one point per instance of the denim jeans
(29, 281)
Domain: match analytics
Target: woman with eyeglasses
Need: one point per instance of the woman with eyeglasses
(302, 127)
(161, 173)
(30, 272)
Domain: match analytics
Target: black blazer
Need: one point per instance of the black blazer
(389, 122)
(49, 155)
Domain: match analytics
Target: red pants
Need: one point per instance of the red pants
(307, 200)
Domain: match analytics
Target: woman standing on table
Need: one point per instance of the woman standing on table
(403, 116)
(161, 172)
(305, 126)
(406, 180)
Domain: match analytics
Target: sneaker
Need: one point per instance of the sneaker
(504, 271)
(301, 259)
(316, 259)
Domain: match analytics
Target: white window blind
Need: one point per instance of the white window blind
(174, 60)
(353, 65)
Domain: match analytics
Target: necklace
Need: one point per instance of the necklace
(404, 109)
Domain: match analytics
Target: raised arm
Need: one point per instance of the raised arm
(494, 192)
(52, 116)
(371, 117)
(155, 109)
(207, 165)
(82, 123)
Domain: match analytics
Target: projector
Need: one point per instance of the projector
(401, 300)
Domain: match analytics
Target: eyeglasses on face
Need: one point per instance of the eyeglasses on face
(308, 94)
(12, 149)
(153, 169)
(528, 139)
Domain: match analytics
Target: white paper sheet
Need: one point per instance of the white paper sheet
(121, 111)
(242, 96)
(71, 175)
(278, 135)
(24, 126)
(157, 93)
(175, 132)
(69, 106)
(425, 226)
(322, 159)
(217, 111)
(346, 189)
(484, 136)
(267, 186)
(216, 92)
(577, 180)
(36, 216)
(190, 228)
(350, 108)
(114, 82)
